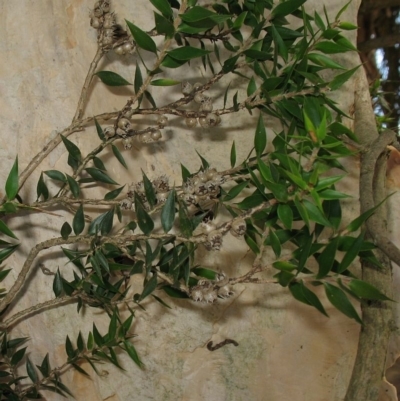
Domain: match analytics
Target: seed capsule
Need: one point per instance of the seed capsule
(128, 47)
(124, 124)
(119, 50)
(199, 98)
(238, 228)
(162, 120)
(203, 122)
(145, 138)
(206, 105)
(156, 135)
(186, 87)
(95, 23)
(212, 119)
(191, 122)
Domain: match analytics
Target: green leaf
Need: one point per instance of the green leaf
(315, 214)
(138, 80)
(327, 258)
(6, 252)
(340, 79)
(302, 211)
(112, 327)
(118, 155)
(66, 230)
(342, 10)
(99, 130)
(339, 300)
(164, 26)
(235, 191)
(72, 149)
(45, 366)
(56, 175)
(187, 53)
(42, 189)
(102, 260)
(78, 222)
(275, 243)
(347, 26)
(324, 61)
(69, 349)
(164, 82)
(5, 230)
(99, 175)
(204, 162)
(148, 96)
(233, 154)
(141, 38)
(351, 254)
(357, 222)
(111, 78)
(168, 212)
(98, 163)
(30, 369)
(367, 291)
(80, 343)
(17, 357)
(158, 299)
(196, 14)
(149, 287)
(130, 349)
(260, 137)
(102, 223)
(305, 295)
(73, 186)
(285, 214)
(57, 284)
(144, 221)
(229, 64)
(149, 190)
(12, 181)
(185, 173)
(163, 6)
(286, 8)
(113, 194)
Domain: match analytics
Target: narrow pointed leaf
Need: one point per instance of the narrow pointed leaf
(78, 222)
(12, 181)
(99, 130)
(118, 155)
(73, 186)
(99, 175)
(168, 212)
(111, 78)
(260, 137)
(5, 230)
(57, 284)
(31, 370)
(339, 300)
(367, 291)
(142, 39)
(130, 349)
(144, 221)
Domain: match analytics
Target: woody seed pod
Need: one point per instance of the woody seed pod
(128, 47)
(199, 98)
(211, 119)
(162, 120)
(124, 124)
(186, 87)
(203, 122)
(156, 135)
(119, 50)
(95, 23)
(191, 122)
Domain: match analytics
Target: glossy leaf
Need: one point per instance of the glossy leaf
(73, 186)
(99, 130)
(17, 356)
(111, 78)
(149, 190)
(168, 212)
(285, 214)
(12, 181)
(5, 230)
(56, 175)
(187, 53)
(351, 254)
(142, 39)
(324, 61)
(41, 188)
(102, 224)
(164, 26)
(233, 154)
(367, 291)
(286, 8)
(99, 175)
(66, 230)
(31, 370)
(305, 295)
(149, 287)
(260, 137)
(163, 6)
(164, 82)
(144, 221)
(6, 252)
(113, 194)
(339, 300)
(130, 349)
(72, 149)
(118, 155)
(327, 258)
(340, 79)
(78, 222)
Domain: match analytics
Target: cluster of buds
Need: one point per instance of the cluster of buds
(161, 189)
(110, 33)
(209, 290)
(213, 235)
(209, 119)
